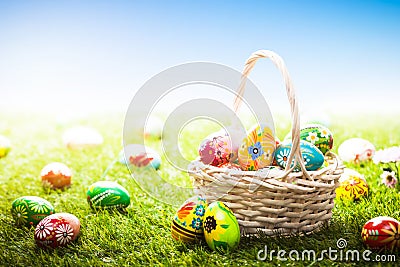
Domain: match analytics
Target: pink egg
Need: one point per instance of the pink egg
(216, 150)
(356, 150)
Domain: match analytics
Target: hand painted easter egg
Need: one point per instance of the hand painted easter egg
(5, 146)
(381, 232)
(153, 128)
(312, 156)
(356, 150)
(82, 137)
(29, 210)
(316, 134)
(257, 149)
(57, 230)
(236, 136)
(108, 194)
(187, 224)
(221, 228)
(352, 188)
(140, 156)
(216, 149)
(56, 175)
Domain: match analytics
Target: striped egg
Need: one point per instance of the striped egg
(187, 224)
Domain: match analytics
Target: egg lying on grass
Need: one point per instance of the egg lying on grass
(108, 194)
(57, 230)
(187, 224)
(221, 228)
(5, 146)
(29, 210)
(56, 175)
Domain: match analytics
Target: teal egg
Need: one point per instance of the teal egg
(140, 156)
(312, 156)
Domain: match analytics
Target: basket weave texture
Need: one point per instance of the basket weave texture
(273, 201)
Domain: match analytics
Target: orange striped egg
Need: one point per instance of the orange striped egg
(187, 225)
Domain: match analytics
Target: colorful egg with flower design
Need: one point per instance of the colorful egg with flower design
(57, 230)
(5, 146)
(352, 187)
(187, 224)
(381, 232)
(312, 156)
(108, 194)
(318, 135)
(216, 149)
(29, 210)
(257, 149)
(221, 228)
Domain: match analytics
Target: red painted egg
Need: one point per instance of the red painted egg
(56, 175)
(57, 230)
(381, 232)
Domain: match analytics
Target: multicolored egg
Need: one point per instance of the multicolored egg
(356, 150)
(82, 137)
(5, 146)
(108, 194)
(257, 149)
(221, 228)
(318, 135)
(187, 224)
(312, 156)
(381, 232)
(56, 175)
(57, 230)
(216, 149)
(29, 210)
(352, 188)
(140, 156)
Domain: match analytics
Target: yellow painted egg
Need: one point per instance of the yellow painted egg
(352, 188)
(257, 149)
(221, 228)
(5, 146)
(187, 224)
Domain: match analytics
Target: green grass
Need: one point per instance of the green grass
(142, 236)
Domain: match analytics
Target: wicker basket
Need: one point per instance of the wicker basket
(273, 201)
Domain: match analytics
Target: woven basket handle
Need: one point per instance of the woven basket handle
(278, 61)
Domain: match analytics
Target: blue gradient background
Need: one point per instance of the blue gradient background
(93, 55)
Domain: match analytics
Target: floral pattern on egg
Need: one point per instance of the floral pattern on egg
(257, 149)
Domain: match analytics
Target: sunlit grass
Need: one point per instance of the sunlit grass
(142, 236)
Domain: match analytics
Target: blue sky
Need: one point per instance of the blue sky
(90, 55)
